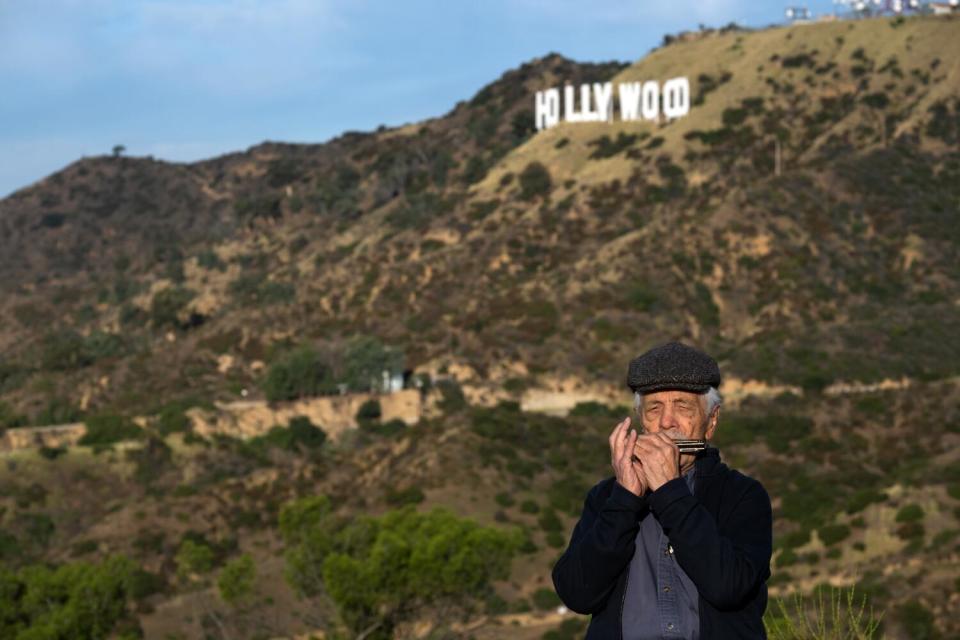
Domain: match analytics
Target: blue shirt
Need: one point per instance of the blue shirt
(661, 602)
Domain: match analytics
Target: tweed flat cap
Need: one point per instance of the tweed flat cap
(673, 366)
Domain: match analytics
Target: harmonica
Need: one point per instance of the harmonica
(686, 446)
(691, 446)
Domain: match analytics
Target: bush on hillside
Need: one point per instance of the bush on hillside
(451, 396)
(369, 411)
(595, 409)
(300, 434)
(57, 411)
(237, 580)
(365, 358)
(534, 181)
(80, 600)
(827, 613)
(300, 373)
(63, 351)
(381, 571)
(10, 418)
(167, 306)
(607, 147)
(106, 429)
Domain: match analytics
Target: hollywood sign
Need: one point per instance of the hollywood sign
(637, 101)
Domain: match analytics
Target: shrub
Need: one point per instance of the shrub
(57, 411)
(193, 558)
(913, 530)
(51, 453)
(534, 181)
(545, 599)
(549, 521)
(283, 171)
(706, 309)
(256, 289)
(833, 533)
(910, 513)
(365, 358)
(78, 600)
(416, 212)
(237, 579)
(387, 429)
(297, 374)
(304, 433)
(9, 417)
(63, 351)
(150, 461)
(300, 433)
(374, 568)
(106, 429)
(166, 306)
(842, 615)
(862, 498)
(504, 499)
(401, 497)
(641, 296)
(595, 409)
(172, 418)
(555, 539)
(917, 620)
(452, 398)
(210, 260)
(795, 539)
(606, 148)
(369, 411)
(475, 171)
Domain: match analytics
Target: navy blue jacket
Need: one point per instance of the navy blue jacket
(722, 537)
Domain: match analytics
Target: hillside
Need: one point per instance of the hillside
(525, 269)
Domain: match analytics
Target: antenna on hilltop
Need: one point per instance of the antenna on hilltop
(798, 14)
(878, 7)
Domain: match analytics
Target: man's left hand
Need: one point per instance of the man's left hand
(660, 457)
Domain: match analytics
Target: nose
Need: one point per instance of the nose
(668, 419)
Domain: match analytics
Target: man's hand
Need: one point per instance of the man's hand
(628, 471)
(660, 458)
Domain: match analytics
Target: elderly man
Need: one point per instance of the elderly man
(675, 545)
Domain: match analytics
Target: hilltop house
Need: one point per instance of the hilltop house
(944, 8)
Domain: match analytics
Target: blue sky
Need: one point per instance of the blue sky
(184, 81)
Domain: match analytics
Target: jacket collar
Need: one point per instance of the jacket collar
(707, 461)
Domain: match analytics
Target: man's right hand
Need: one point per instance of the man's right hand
(629, 472)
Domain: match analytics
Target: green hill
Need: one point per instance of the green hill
(503, 262)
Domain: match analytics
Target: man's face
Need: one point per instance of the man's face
(679, 414)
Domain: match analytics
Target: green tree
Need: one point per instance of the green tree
(379, 571)
(300, 373)
(193, 558)
(365, 359)
(307, 527)
(236, 580)
(304, 433)
(166, 306)
(369, 412)
(64, 351)
(79, 601)
(107, 428)
(534, 181)
(9, 417)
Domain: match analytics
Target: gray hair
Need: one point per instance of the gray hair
(711, 400)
